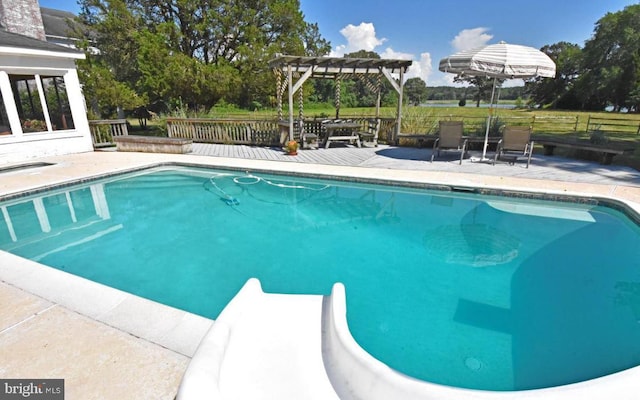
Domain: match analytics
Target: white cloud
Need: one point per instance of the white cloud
(465, 39)
(396, 55)
(421, 69)
(361, 37)
(471, 38)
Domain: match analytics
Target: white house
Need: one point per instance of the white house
(42, 110)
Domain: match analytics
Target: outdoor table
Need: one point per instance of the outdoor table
(341, 131)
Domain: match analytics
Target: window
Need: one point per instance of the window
(57, 102)
(5, 128)
(27, 94)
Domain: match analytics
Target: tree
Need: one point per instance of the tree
(363, 96)
(611, 62)
(559, 92)
(416, 90)
(483, 84)
(199, 51)
(165, 75)
(109, 75)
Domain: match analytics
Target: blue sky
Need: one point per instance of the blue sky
(426, 31)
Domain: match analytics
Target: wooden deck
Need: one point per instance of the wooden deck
(346, 155)
(413, 158)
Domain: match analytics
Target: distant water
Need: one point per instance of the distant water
(469, 105)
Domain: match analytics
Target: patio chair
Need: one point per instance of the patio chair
(309, 140)
(450, 138)
(516, 142)
(371, 132)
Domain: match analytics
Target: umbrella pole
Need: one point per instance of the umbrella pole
(486, 133)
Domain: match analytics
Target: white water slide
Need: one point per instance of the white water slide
(295, 347)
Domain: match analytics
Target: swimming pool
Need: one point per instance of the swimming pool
(487, 282)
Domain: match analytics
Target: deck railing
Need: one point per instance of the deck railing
(103, 131)
(227, 131)
(612, 124)
(254, 132)
(270, 132)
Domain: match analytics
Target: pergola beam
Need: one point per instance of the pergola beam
(303, 79)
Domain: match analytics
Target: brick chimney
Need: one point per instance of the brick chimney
(22, 17)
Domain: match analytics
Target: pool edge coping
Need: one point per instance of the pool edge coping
(624, 205)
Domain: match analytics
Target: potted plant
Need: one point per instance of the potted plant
(291, 148)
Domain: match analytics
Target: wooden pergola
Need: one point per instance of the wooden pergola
(369, 70)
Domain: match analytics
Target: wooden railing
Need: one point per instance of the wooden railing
(103, 131)
(610, 124)
(227, 131)
(269, 132)
(553, 124)
(255, 132)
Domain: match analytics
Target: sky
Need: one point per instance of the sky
(426, 31)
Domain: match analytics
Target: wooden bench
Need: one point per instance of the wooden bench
(370, 132)
(422, 138)
(608, 150)
(153, 144)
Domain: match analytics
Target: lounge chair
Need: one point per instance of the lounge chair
(516, 142)
(450, 138)
(371, 132)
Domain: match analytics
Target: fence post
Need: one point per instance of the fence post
(533, 123)
(588, 122)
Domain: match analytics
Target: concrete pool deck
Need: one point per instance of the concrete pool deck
(110, 345)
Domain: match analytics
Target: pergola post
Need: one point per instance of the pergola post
(398, 86)
(300, 104)
(278, 74)
(290, 82)
(378, 94)
(399, 118)
(337, 96)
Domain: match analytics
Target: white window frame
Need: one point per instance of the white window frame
(12, 109)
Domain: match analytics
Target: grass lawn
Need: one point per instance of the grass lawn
(425, 120)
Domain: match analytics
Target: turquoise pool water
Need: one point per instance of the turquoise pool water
(459, 289)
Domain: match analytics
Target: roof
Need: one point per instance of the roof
(339, 65)
(57, 22)
(28, 45)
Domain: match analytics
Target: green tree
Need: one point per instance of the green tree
(416, 91)
(482, 84)
(165, 75)
(109, 74)
(559, 92)
(198, 51)
(611, 62)
(106, 95)
(364, 95)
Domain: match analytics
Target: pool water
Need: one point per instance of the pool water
(464, 290)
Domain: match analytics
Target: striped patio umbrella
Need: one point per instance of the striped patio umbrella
(502, 61)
